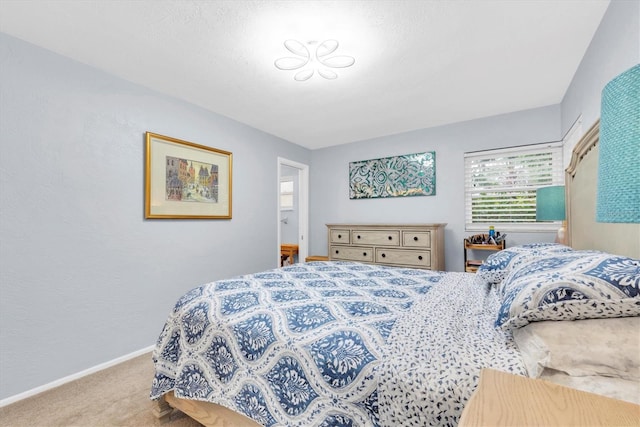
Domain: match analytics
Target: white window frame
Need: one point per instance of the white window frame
(284, 194)
(571, 138)
(507, 162)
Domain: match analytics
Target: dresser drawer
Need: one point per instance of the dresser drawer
(416, 239)
(411, 258)
(340, 236)
(376, 237)
(352, 253)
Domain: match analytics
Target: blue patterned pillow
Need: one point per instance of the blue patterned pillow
(571, 286)
(496, 267)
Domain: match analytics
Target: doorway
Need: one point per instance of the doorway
(293, 207)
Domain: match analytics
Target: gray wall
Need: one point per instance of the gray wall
(615, 48)
(289, 230)
(329, 171)
(84, 278)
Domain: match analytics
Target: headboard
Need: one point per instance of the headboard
(581, 183)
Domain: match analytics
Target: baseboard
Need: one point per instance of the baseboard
(73, 377)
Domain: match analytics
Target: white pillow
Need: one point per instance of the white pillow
(616, 388)
(606, 347)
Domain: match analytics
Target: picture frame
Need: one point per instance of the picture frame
(396, 176)
(185, 180)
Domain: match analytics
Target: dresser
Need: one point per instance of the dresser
(401, 245)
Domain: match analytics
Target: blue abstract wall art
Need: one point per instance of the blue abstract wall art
(398, 176)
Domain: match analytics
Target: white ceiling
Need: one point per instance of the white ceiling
(418, 64)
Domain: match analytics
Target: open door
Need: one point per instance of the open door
(293, 209)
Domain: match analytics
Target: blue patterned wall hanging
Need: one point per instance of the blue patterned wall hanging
(398, 176)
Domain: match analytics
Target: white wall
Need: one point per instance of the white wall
(84, 278)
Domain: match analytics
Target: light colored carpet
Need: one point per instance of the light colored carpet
(116, 396)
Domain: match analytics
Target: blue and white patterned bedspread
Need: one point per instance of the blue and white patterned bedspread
(307, 345)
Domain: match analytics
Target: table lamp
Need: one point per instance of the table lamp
(618, 193)
(550, 207)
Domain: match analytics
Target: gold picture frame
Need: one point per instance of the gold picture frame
(184, 180)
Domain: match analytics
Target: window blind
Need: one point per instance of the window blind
(500, 186)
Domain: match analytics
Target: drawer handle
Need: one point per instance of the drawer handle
(383, 255)
(337, 251)
(339, 236)
(390, 238)
(415, 239)
(358, 236)
(364, 254)
(420, 257)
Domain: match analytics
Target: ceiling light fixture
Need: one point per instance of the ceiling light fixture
(309, 63)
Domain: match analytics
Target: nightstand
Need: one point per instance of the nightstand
(471, 265)
(504, 399)
(287, 253)
(316, 258)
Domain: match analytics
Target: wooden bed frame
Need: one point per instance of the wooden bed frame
(206, 413)
(583, 231)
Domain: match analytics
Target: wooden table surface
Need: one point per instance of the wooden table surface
(504, 399)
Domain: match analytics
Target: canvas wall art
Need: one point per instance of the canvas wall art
(397, 176)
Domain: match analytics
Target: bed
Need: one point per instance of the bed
(350, 344)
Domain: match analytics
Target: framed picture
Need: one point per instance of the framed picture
(186, 180)
(398, 176)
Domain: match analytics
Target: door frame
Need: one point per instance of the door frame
(303, 208)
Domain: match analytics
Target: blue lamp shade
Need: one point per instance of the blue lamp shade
(550, 203)
(618, 194)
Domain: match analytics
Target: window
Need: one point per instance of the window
(286, 194)
(570, 140)
(500, 186)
